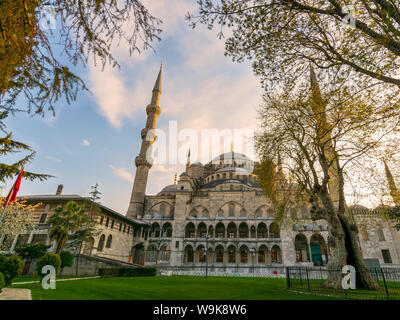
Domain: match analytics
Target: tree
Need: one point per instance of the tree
(48, 259)
(350, 37)
(10, 268)
(317, 141)
(9, 146)
(32, 252)
(17, 220)
(29, 66)
(67, 259)
(71, 224)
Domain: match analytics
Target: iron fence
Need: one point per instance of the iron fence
(313, 281)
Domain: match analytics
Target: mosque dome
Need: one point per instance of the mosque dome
(170, 188)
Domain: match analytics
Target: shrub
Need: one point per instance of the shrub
(33, 251)
(10, 268)
(2, 283)
(3, 259)
(48, 259)
(67, 259)
(128, 272)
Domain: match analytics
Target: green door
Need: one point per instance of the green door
(316, 254)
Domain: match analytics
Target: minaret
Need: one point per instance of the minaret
(318, 105)
(394, 192)
(143, 161)
(188, 163)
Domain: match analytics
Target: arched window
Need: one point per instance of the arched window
(319, 253)
(262, 254)
(243, 230)
(107, 221)
(274, 231)
(232, 230)
(201, 230)
(244, 254)
(112, 223)
(220, 230)
(109, 241)
(231, 210)
(219, 254)
(190, 231)
(301, 247)
(189, 256)
(155, 230)
(100, 246)
(220, 213)
(262, 231)
(231, 254)
(276, 254)
(151, 253)
(167, 230)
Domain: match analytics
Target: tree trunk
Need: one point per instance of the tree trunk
(60, 246)
(364, 279)
(337, 252)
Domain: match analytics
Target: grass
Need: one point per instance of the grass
(169, 288)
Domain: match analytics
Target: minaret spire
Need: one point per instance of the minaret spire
(394, 192)
(143, 162)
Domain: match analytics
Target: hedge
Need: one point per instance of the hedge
(128, 272)
(2, 282)
(48, 259)
(10, 268)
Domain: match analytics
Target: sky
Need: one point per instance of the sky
(96, 138)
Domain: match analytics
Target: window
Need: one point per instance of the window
(231, 235)
(220, 235)
(220, 256)
(231, 256)
(38, 238)
(120, 226)
(124, 227)
(43, 218)
(177, 244)
(129, 229)
(244, 256)
(386, 256)
(101, 220)
(101, 243)
(22, 240)
(109, 241)
(107, 221)
(112, 224)
(202, 257)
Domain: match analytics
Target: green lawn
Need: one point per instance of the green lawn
(36, 278)
(169, 288)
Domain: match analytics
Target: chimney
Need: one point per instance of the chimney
(59, 189)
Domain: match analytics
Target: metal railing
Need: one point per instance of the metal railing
(313, 280)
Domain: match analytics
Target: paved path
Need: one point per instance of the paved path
(15, 294)
(58, 280)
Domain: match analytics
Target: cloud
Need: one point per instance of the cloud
(85, 143)
(122, 173)
(53, 159)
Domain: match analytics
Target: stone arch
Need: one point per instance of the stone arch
(276, 256)
(219, 254)
(211, 231)
(301, 247)
(220, 230)
(319, 254)
(151, 253)
(200, 254)
(262, 254)
(190, 230)
(274, 231)
(243, 230)
(253, 232)
(232, 230)
(165, 253)
(201, 230)
(261, 211)
(167, 230)
(262, 230)
(161, 209)
(232, 254)
(244, 254)
(155, 230)
(232, 209)
(193, 213)
(189, 254)
(199, 211)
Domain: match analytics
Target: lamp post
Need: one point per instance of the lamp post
(206, 236)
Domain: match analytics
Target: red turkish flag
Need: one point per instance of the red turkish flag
(12, 195)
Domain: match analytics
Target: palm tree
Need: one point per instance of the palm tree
(64, 222)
